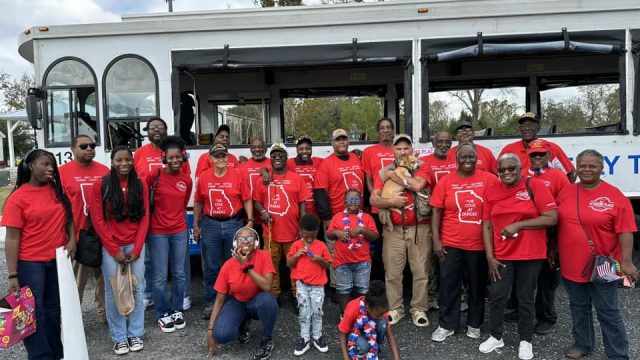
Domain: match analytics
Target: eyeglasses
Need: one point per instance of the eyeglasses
(510, 169)
(464, 130)
(246, 239)
(156, 127)
(85, 146)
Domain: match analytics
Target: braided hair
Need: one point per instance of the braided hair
(24, 175)
(114, 200)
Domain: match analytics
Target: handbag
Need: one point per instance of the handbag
(152, 190)
(17, 318)
(123, 289)
(89, 247)
(604, 268)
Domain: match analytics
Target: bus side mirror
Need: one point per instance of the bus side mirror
(35, 107)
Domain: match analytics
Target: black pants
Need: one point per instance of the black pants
(548, 281)
(457, 264)
(377, 265)
(525, 273)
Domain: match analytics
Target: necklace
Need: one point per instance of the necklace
(366, 326)
(347, 229)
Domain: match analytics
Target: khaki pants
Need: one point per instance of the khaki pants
(400, 246)
(82, 272)
(278, 251)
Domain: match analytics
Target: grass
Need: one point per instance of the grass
(4, 192)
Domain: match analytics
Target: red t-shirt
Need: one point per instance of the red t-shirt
(351, 314)
(557, 159)
(553, 179)
(282, 198)
(308, 174)
(374, 158)
(337, 176)
(205, 163)
(147, 160)
(114, 234)
(341, 252)
(232, 281)
(409, 214)
(605, 213)
(250, 171)
(41, 220)
(462, 200)
(307, 270)
(77, 182)
(438, 168)
(170, 199)
(224, 196)
(504, 206)
(485, 162)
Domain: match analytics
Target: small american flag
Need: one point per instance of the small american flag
(607, 272)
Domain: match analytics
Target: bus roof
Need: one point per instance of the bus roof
(361, 14)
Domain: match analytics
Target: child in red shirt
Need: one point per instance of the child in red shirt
(308, 259)
(352, 260)
(364, 325)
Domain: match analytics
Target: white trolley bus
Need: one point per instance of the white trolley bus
(107, 79)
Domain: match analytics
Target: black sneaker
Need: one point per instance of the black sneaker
(166, 323)
(320, 344)
(121, 348)
(264, 352)
(543, 327)
(243, 332)
(302, 347)
(178, 319)
(135, 343)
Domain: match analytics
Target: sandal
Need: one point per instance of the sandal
(419, 319)
(395, 315)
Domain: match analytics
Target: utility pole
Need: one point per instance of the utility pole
(170, 2)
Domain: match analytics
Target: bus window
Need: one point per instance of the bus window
(245, 120)
(131, 98)
(71, 105)
(578, 109)
(491, 111)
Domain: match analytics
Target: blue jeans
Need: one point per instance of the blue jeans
(604, 298)
(381, 330)
(168, 250)
(148, 272)
(216, 243)
(234, 313)
(132, 325)
(310, 299)
(42, 279)
(353, 276)
(187, 270)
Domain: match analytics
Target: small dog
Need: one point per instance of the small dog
(391, 188)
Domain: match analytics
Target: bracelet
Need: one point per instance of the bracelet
(12, 276)
(209, 329)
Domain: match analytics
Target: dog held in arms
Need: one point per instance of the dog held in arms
(391, 188)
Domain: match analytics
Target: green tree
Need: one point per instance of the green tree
(14, 92)
(498, 114)
(439, 117)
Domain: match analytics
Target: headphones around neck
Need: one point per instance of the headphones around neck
(255, 233)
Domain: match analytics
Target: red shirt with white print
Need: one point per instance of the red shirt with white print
(462, 201)
(147, 160)
(553, 179)
(77, 182)
(439, 168)
(308, 174)
(233, 281)
(605, 213)
(282, 198)
(224, 196)
(170, 199)
(506, 205)
(351, 252)
(307, 270)
(337, 176)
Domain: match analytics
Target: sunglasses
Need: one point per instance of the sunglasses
(510, 169)
(246, 239)
(85, 146)
(352, 200)
(538, 154)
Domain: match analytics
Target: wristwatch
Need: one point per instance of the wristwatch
(246, 268)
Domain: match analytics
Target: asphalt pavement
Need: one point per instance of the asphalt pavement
(413, 342)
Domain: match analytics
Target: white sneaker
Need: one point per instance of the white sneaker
(525, 351)
(490, 345)
(186, 303)
(472, 332)
(441, 334)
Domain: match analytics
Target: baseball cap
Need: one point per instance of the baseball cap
(529, 116)
(278, 146)
(402, 137)
(218, 149)
(338, 133)
(464, 124)
(304, 139)
(223, 127)
(538, 146)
